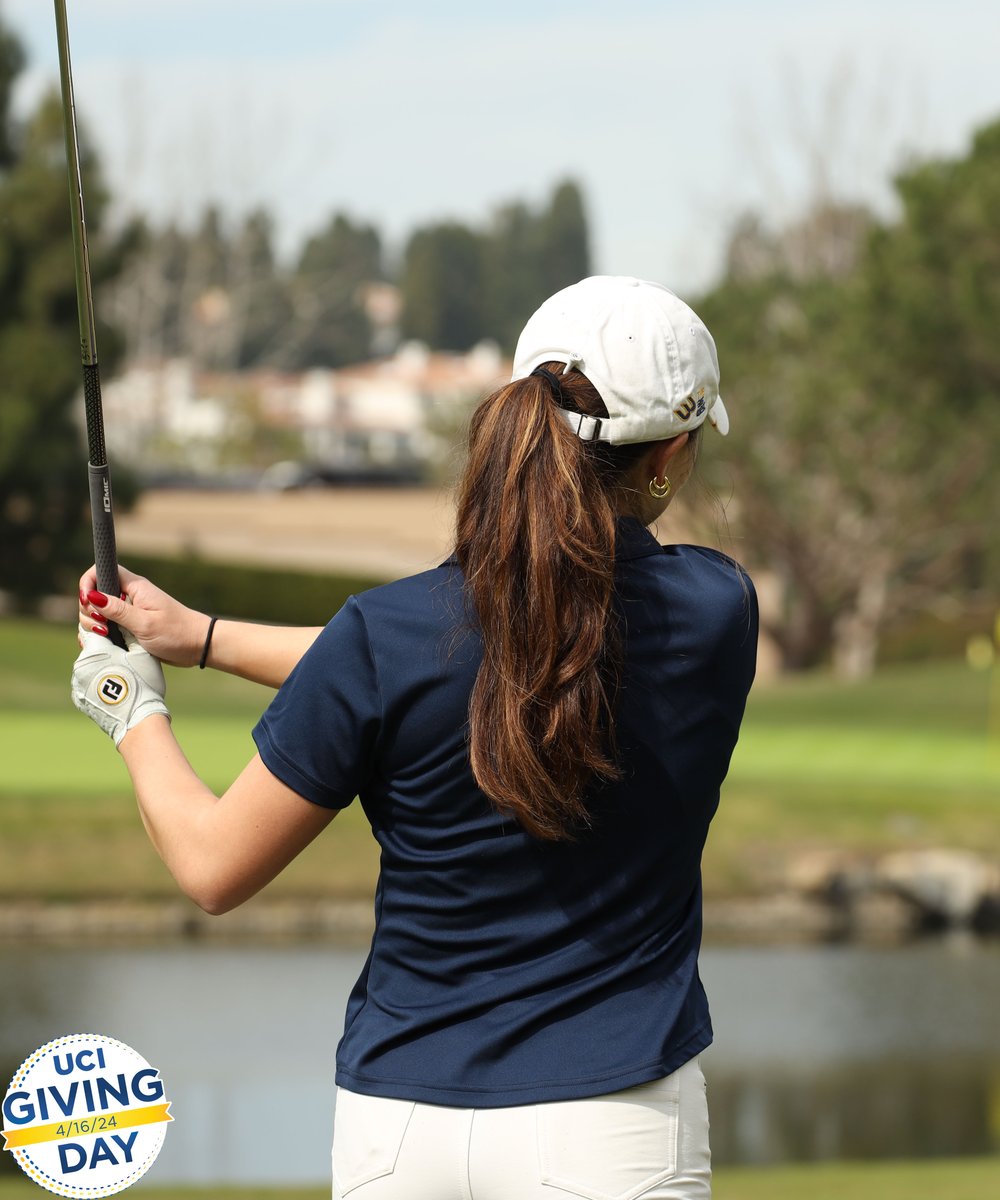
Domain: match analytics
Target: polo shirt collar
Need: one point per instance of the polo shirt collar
(632, 540)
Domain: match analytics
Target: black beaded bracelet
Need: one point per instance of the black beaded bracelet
(208, 642)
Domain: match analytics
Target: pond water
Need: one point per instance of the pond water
(821, 1052)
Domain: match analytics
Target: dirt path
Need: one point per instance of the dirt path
(390, 532)
(378, 532)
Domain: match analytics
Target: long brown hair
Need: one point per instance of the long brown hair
(536, 543)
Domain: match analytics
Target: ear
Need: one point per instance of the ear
(663, 452)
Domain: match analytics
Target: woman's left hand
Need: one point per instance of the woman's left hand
(117, 688)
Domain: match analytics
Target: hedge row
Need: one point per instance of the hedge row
(289, 597)
(285, 597)
(925, 637)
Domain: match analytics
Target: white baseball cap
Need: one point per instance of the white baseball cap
(649, 355)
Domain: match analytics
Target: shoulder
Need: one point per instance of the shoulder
(724, 610)
(423, 594)
(717, 569)
(401, 621)
(731, 587)
(377, 637)
(705, 592)
(720, 577)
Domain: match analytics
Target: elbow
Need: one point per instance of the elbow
(214, 879)
(212, 903)
(214, 894)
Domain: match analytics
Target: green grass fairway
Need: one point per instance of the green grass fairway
(902, 759)
(926, 1179)
(70, 825)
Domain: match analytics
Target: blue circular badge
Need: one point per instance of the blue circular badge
(85, 1115)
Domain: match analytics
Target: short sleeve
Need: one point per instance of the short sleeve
(319, 733)
(737, 651)
(746, 630)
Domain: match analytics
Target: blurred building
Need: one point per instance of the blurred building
(398, 413)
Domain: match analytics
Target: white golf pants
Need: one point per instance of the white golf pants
(645, 1143)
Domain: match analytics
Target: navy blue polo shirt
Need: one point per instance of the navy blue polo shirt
(505, 970)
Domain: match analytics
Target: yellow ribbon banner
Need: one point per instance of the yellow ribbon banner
(111, 1122)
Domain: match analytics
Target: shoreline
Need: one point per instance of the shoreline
(778, 919)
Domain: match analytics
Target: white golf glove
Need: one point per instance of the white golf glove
(117, 688)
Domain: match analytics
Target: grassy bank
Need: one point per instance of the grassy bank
(902, 759)
(927, 1179)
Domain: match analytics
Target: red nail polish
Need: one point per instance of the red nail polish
(97, 598)
(83, 598)
(101, 630)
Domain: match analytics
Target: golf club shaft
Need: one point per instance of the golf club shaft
(101, 506)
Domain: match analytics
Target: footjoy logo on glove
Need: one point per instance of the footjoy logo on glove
(85, 1116)
(112, 689)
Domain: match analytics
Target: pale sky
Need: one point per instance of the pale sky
(674, 117)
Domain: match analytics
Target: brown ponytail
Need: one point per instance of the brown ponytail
(536, 540)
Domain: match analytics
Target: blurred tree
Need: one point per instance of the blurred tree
(203, 299)
(260, 307)
(789, 383)
(862, 370)
(933, 279)
(932, 310)
(443, 287)
(479, 285)
(223, 300)
(329, 325)
(11, 63)
(514, 272)
(528, 256)
(208, 295)
(145, 299)
(563, 239)
(43, 480)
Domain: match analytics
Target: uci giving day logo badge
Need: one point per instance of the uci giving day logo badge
(85, 1116)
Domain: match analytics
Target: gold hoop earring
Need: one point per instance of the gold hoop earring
(659, 491)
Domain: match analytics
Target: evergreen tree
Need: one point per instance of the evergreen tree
(563, 239)
(44, 512)
(443, 287)
(11, 63)
(460, 286)
(330, 326)
(528, 256)
(260, 306)
(514, 272)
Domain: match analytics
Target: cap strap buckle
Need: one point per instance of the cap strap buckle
(587, 429)
(595, 434)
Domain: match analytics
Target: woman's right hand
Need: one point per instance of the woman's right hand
(162, 625)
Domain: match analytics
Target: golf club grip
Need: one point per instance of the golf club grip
(105, 550)
(97, 453)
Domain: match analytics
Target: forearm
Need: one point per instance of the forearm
(261, 653)
(175, 805)
(220, 849)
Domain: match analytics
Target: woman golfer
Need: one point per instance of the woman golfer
(537, 731)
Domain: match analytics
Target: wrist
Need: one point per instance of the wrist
(206, 647)
(190, 647)
(144, 736)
